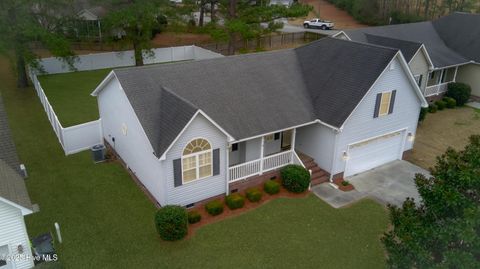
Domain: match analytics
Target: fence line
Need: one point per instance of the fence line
(81, 137)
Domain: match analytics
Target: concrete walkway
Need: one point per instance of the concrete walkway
(474, 105)
(391, 183)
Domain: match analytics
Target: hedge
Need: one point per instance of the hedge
(235, 201)
(432, 108)
(295, 178)
(451, 103)
(254, 194)
(440, 104)
(271, 187)
(172, 222)
(214, 207)
(423, 113)
(460, 92)
(194, 217)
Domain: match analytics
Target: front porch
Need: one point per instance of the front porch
(256, 156)
(438, 81)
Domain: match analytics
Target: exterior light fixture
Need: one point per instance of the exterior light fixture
(345, 156)
(20, 249)
(410, 137)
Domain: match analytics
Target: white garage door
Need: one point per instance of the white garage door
(374, 152)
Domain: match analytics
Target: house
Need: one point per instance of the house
(438, 52)
(14, 204)
(90, 22)
(194, 130)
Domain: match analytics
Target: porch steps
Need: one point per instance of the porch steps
(318, 174)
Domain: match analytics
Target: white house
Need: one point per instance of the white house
(192, 130)
(15, 252)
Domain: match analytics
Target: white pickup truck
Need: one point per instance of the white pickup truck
(318, 23)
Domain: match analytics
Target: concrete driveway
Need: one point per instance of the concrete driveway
(391, 183)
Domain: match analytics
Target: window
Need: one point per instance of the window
(276, 136)
(432, 75)
(269, 137)
(418, 79)
(444, 75)
(385, 104)
(197, 160)
(234, 147)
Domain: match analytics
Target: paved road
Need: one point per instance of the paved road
(288, 28)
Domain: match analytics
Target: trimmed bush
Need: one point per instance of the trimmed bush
(295, 178)
(171, 222)
(460, 92)
(253, 194)
(423, 114)
(194, 217)
(345, 183)
(440, 104)
(214, 207)
(235, 201)
(432, 108)
(451, 103)
(271, 187)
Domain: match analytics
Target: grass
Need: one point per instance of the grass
(449, 127)
(107, 222)
(70, 96)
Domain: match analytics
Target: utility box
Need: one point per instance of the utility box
(98, 153)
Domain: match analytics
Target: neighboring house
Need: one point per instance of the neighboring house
(90, 22)
(189, 131)
(441, 51)
(281, 2)
(14, 204)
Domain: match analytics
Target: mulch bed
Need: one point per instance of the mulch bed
(228, 213)
(341, 187)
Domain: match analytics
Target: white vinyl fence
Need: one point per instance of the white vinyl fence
(114, 59)
(83, 136)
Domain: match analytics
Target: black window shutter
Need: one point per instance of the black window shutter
(216, 161)
(377, 105)
(420, 81)
(392, 102)
(177, 172)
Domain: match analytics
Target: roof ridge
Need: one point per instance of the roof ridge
(168, 90)
(365, 44)
(392, 38)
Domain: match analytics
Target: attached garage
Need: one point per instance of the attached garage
(373, 152)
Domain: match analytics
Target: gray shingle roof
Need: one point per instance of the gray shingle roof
(253, 94)
(408, 48)
(12, 185)
(461, 32)
(420, 32)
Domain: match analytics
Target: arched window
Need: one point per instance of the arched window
(197, 160)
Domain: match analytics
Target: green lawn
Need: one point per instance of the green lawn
(70, 96)
(107, 222)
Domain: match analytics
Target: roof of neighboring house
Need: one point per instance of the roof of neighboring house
(254, 94)
(12, 185)
(98, 12)
(461, 32)
(408, 48)
(420, 32)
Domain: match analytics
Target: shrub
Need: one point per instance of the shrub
(214, 207)
(460, 92)
(440, 104)
(345, 183)
(271, 187)
(235, 200)
(451, 103)
(432, 108)
(423, 113)
(171, 222)
(295, 178)
(194, 217)
(254, 194)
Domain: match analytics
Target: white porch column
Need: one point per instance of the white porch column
(294, 134)
(227, 153)
(455, 74)
(261, 154)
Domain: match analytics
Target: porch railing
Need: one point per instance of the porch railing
(436, 89)
(253, 168)
(297, 160)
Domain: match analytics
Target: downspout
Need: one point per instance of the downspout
(335, 149)
(227, 161)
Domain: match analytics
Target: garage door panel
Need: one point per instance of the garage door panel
(373, 152)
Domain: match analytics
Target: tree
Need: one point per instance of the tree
(244, 18)
(23, 22)
(444, 231)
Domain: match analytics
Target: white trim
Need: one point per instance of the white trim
(404, 130)
(104, 82)
(455, 75)
(262, 152)
(425, 53)
(342, 32)
(409, 74)
(285, 129)
(389, 103)
(25, 211)
(453, 65)
(334, 157)
(164, 154)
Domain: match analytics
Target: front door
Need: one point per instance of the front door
(286, 140)
(5, 262)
